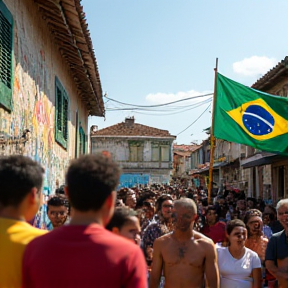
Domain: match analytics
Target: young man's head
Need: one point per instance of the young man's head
(211, 215)
(21, 181)
(58, 209)
(125, 223)
(91, 181)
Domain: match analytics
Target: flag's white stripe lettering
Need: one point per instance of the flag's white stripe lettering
(260, 118)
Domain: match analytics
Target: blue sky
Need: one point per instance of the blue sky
(157, 51)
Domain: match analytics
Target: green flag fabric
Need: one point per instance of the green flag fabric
(251, 117)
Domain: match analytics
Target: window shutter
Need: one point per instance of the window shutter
(59, 109)
(65, 117)
(6, 45)
(61, 115)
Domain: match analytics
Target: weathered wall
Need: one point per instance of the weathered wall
(37, 61)
(134, 173)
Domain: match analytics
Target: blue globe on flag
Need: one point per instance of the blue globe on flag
(257, 120)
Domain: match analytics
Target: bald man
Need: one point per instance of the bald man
(185, 256)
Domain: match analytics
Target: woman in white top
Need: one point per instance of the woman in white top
(239, 267)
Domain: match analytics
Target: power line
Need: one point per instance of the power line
(160, 113)
(159, 105)
(194, 105)
(195, 120)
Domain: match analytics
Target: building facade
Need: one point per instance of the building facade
(49, 83)
(144, 153)
(269, 176)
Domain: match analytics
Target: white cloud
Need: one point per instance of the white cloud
(254, 66)
(161, 98)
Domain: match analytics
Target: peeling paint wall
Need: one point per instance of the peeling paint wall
(36, 63)
(134, 173)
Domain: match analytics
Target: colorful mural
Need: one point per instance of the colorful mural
(33, 110)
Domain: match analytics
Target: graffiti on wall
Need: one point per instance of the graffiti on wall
(33, 110)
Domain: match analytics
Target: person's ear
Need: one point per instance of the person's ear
(115, 230)
(110, 201)
(66, 191)
(33, 195)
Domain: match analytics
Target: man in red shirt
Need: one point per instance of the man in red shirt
(84, 253)
(213, 228)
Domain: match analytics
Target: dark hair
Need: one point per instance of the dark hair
(162, 199)
(253, 200)
(215, 209)
(60, 190)
(18, 175)
(234, 223)
(58, 200)
(90, 180)
(250, 213)
(120, 217)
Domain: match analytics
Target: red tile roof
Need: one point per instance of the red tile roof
(189, 148)
(129, 128)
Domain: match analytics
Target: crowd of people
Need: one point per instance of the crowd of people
(88, 234)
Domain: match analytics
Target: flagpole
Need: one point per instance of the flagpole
(212, 138)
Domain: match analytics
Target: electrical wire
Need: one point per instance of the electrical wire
(194, 105)
(195, 120)
(173, 113)
(159, 105)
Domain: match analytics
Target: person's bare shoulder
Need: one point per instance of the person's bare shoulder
(164, 238)
(203, 239)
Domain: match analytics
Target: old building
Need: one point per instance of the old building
(227, 171)
(182, 159)
(269, 177)
(49, 83)
(143, 152)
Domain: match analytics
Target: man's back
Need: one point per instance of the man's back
(14, 236)
(83, 256)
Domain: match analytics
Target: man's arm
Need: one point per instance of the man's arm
(271, 259)
(157, 264)
(275, 271)
(211, 265)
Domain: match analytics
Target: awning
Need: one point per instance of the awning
(215, 167)
(260, 159)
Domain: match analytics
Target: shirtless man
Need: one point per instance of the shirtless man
(276, 258)
(184, 255)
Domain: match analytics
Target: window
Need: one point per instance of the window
(82, 142)
(155, 151)
(6, 45)
(165, 152)
(61, 114)
(136, 149)
(160, 151)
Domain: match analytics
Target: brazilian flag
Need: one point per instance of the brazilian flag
(251, 117)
